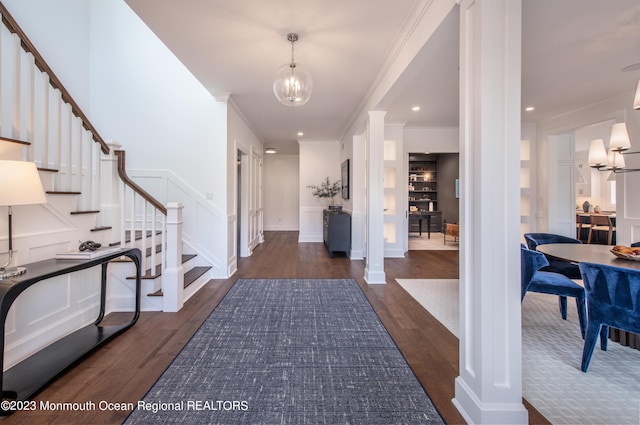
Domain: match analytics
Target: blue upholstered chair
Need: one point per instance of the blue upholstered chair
(613, 299)
(566, 268)
(533, 279)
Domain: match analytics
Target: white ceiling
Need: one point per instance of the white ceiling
(573, 54)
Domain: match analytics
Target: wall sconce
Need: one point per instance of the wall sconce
(619, 144)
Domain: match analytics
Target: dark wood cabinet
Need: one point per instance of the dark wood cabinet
(337, 231)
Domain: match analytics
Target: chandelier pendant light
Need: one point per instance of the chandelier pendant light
(619, 145)
(293, 86)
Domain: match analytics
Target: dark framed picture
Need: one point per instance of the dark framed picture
(345, 179)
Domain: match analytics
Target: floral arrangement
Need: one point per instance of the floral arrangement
(326, 189)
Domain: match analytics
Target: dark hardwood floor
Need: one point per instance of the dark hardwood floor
(124, 369)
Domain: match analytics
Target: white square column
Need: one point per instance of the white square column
(374, 265)
(489, 388)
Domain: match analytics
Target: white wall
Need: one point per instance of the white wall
(51, 24)
(281, 192)
(144, 98)
(432, 139)
(317, 161)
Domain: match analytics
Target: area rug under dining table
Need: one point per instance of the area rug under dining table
(608, 394)
(289, 351)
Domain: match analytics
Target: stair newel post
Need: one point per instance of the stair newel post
(110, 197)
(173, 273)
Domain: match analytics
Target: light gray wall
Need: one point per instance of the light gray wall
(281, 192)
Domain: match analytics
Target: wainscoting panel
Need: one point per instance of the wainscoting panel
(310, 224)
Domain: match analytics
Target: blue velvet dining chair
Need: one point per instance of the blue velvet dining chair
(613, 299)
(534, 279)
(566, 268)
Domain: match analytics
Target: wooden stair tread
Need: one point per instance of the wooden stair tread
(187, 257)
(189, 277)
(85, 212)
(10, 140)
(48, 170)
(100, 228)
(193, 274)
(57, 192)
(149, 275)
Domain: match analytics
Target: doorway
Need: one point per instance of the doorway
(433, 200)
(242, 205)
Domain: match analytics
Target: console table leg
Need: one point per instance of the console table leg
(103, 294)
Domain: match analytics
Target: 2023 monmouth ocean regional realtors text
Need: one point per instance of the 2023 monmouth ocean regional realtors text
(194, 405)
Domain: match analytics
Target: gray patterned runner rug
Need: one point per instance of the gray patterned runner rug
(289, 351)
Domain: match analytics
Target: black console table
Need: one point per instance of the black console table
(337, 231)
(25, 378)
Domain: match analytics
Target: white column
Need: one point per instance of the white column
(374, 269)
(489, 388)
(173, 271)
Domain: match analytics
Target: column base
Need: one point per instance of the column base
(475, 411)
(374, 278)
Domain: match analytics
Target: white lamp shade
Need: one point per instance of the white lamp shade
(636, 101)
(597, 154)
(619, 137)
(20, 184)
(293, 86)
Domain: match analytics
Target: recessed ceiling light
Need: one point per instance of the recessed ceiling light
(270, 150)
(300, 133)
(529, 108)
(415, 108)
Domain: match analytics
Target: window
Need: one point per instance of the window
(612, 192)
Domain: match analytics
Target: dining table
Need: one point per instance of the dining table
(587, 253)
(599, 254)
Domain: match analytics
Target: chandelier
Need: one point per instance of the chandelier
(618, 147)
(293, 86)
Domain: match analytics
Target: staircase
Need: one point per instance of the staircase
(89, 195)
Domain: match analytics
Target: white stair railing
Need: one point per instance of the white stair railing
(141, 216)
(35, 108)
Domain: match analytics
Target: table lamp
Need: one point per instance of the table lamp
(19, 185)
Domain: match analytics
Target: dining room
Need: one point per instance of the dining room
(595, 189)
